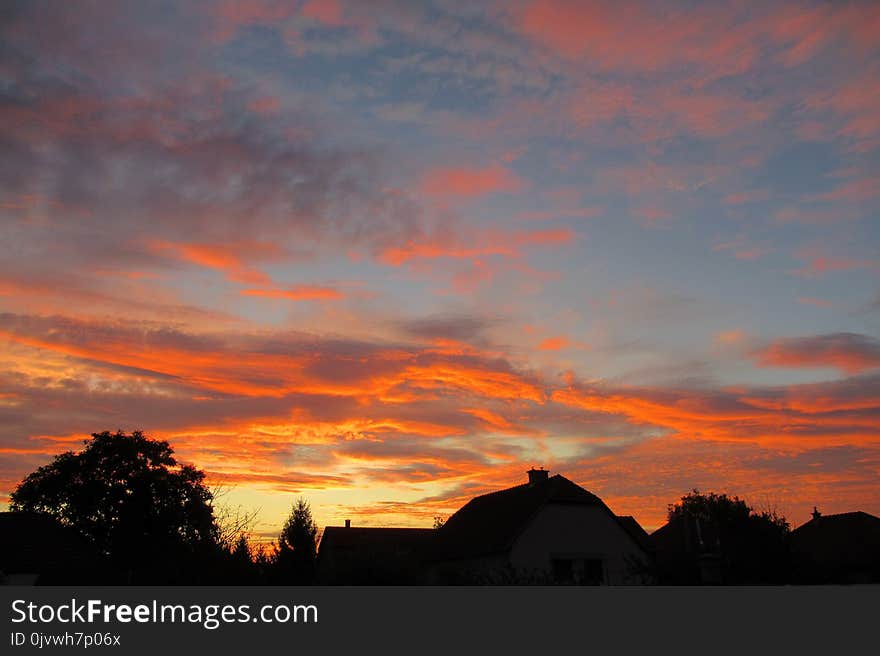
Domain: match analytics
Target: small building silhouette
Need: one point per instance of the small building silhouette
(687, 552)
(35, 549)
(371, 556)
(841, 548)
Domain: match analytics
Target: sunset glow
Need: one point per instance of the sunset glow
(389, 255)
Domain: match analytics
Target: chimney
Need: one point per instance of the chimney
(537, 475)
(347, 523)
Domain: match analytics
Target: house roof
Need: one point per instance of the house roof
(851, 536)
(341, 537)
(635, 530)
(490, 524)
(371, 556)
(686, 535)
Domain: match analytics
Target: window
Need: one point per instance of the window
(563, 570)
(593, 573)
(577, 570)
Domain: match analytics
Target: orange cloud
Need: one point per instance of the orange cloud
(465, 182)
(794, 416)
(231, 366)
(479, 245)
(849, 352)
(553, 344)
(735, 336)
(467, 280)
(644, 478)
(228, 258)
(589, 212)
(298, 293)
(377, 415)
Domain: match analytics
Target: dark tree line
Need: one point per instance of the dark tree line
(152, 520)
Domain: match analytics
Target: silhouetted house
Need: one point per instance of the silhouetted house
(548, 530)
(842, 548)
(687, 552)
(371, 556)
(636, 532)
(35, 549)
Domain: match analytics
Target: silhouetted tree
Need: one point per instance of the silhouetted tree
(749, 547)
(233, 524)
(240, 567)
(295, 555)
(242, 550)
(129, 497)
(264, 562)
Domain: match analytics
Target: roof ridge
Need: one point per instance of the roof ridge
(524, 485)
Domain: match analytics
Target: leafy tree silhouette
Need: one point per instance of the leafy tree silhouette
(295, 554)
(751, 547)
(129, 497)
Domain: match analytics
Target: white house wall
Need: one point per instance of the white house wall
(577, 531)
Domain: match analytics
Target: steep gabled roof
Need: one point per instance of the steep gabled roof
(490, 524)
(685, 535)
(636, 532)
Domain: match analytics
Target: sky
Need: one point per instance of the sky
(388, 255)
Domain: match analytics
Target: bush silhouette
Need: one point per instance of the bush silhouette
(748, 547)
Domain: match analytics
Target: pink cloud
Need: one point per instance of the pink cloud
(818, 264)
(854, 191)
(817, 302)
(657, 112)
(328, 12)
(476, 274)
(653, 216)
(746, 197)
(716, 40)
(464, 182)
(265, 105)
(812, 215)
(742, 250)
(849, 109)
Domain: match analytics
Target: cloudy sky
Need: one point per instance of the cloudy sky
(388, 254)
